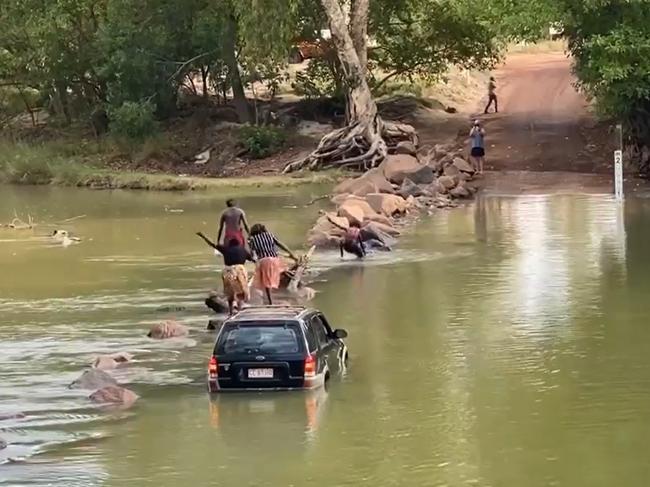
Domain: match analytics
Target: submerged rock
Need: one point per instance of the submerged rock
(93, 379)
(168, 329)
(114, 395)
(217, 303)
(460, 191)
(109, 362)
(4, 417)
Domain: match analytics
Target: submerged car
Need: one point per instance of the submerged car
(276, 348)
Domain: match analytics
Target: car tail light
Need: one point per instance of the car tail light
(213, 367)
(310, 366)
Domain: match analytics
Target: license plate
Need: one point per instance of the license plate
(260, 373)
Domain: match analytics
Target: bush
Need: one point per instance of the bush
(133, 120)
(262, 141)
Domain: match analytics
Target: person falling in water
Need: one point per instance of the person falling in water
(232, 220)
(269, 268)
(477, 141)
(233, 275)
(355, 239)
(492, 95)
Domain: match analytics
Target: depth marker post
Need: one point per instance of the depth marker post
(618, 165)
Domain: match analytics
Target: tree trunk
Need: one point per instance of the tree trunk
(359, 31)
(204, 80)
(362, 144)
(239, 97)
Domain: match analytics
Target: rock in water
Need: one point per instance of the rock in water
(114, 395)
(460, 191)
(168, 329)
(93, 379)
(387, 204)
(3, 444)
(109, 362)
(4, 417)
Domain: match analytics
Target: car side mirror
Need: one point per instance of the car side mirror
(340, 334)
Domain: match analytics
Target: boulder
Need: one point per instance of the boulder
(447, 182)
(3, 444)
(352, 212)
(451, 170)
(371, 182)
(441, 150)
(424, 154)
(387, 204)
(460, 191)
(396, 166)
(93, 379)
(376, 176)
(378, 228)
(409, 188)
(357, 209)
(405, 147)
(114, 395)
(339, 198)
(108, 362)
(464, 166)
(168, 329)
(423, 175)
(323, 234)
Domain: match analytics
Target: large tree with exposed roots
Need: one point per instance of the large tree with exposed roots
(364, 141)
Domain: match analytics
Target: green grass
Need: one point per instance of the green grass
(42, 164)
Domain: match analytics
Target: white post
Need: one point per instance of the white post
(618, 174)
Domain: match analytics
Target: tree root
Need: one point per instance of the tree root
(357, 146)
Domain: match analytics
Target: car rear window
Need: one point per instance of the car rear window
(251, 339)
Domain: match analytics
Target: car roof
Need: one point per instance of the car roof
(270, 314)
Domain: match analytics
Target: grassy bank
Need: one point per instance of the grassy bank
(45, 164)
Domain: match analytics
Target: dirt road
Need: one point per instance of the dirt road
(543, 123)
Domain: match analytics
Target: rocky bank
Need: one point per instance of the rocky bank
(409, 180)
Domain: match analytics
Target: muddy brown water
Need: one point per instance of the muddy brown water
(502, 344)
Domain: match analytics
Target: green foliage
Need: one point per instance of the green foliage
(610, 42)
(322, 79)
(133, 120)
(261, 141)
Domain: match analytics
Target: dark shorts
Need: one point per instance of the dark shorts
(478, 152)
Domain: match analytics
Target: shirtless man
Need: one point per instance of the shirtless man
(233, 219)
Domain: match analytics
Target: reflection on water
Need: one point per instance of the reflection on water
(501, 344)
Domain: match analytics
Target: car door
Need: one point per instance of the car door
(328, 344)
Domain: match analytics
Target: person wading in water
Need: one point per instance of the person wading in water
(477, 141)
(233, 275)
(232, 220)
(269, 268)
(492, 95)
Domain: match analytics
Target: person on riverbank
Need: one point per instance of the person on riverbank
(492, 95)
(477, 144)
(233, 221)
(234, 274)
(269, 268)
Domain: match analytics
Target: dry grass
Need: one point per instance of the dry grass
(546, 46)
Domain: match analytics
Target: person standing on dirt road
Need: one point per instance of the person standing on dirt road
(477, 141)
(492, 95)
(232, 220)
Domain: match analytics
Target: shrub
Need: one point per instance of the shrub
(261, 141)
(133, 120)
